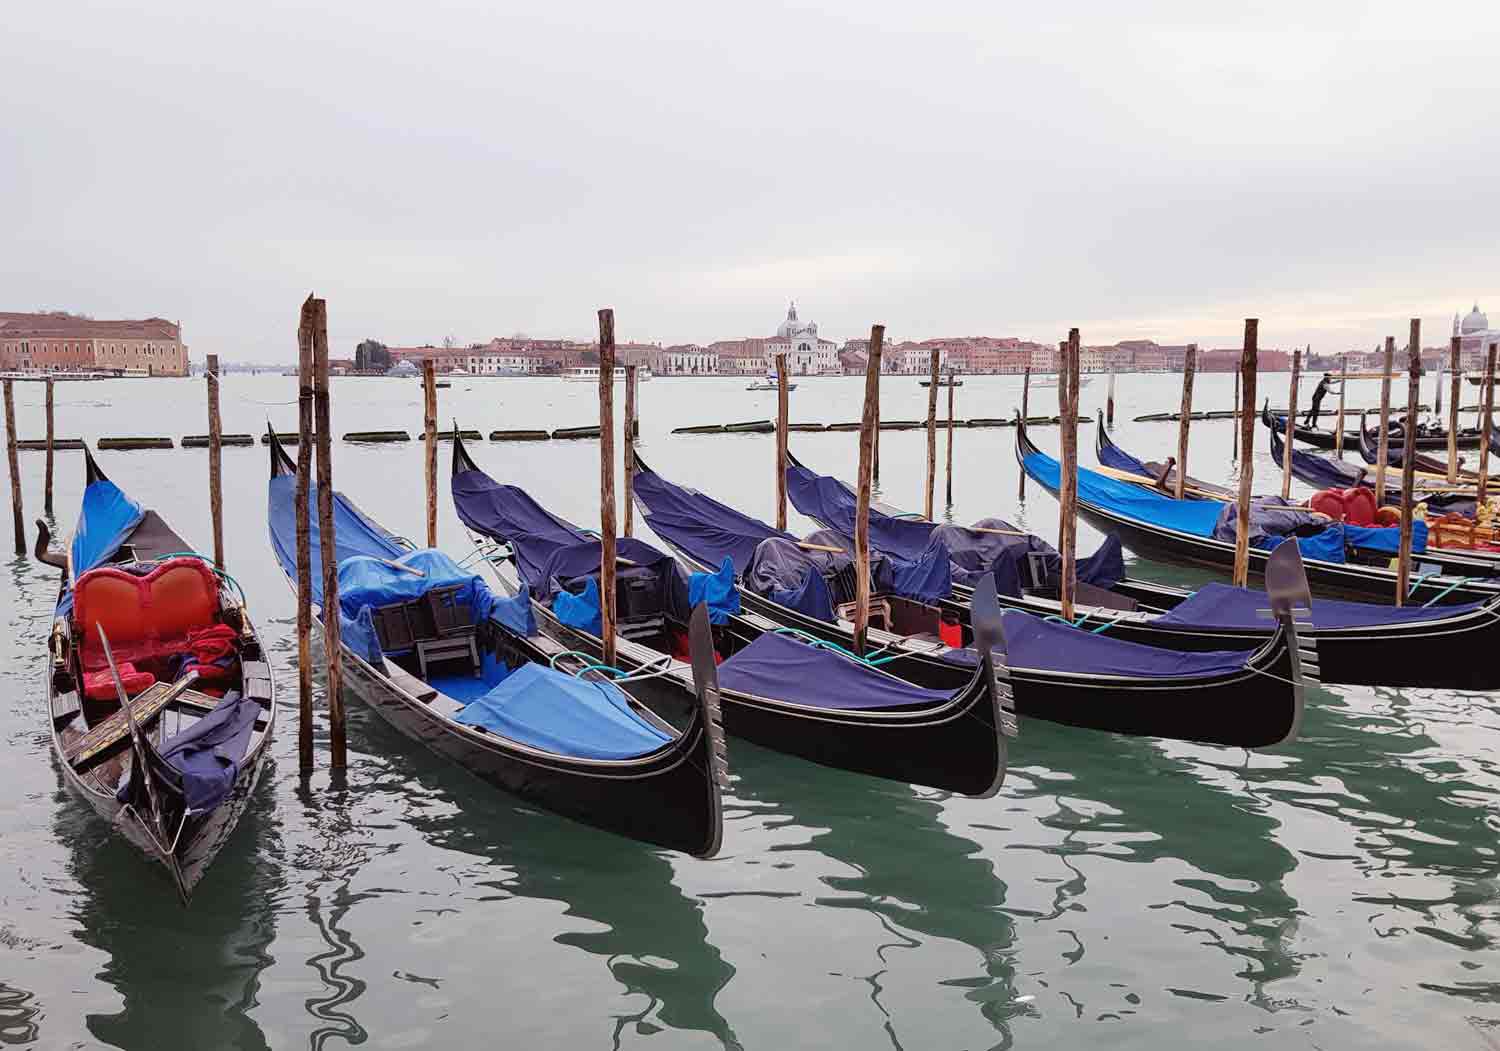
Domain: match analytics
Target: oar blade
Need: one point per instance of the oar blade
(989, 641)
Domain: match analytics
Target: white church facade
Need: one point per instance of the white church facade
(806, 354)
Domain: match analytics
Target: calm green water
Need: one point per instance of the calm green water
(1341, 892)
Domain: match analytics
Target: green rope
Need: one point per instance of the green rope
(1445, 592)
(813, 640)
(217, 571)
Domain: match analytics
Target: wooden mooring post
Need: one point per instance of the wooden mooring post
(1409, 460)
(932, 396)
(429, 436)
(304, 539)
(1383, 447)
(1486, 422)
(332, 645)
(1189, 367)
(15, 468)
(1248, 355)
(1338, 430)
(951, 385)
(1234, 453)
(1067, 540)
(607, 554)
(51, 441)
(869, 428)
(1457, 378)
(1291, 426)
(1109, 400)
(215, 458)
(782, 411)
(1025, 415)
(629, 458)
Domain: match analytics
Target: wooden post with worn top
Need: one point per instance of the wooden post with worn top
(1338, 429)
(1109, 400)
(629, 457)
(1291, 426)
(15, 468)
(1025, 409)
(869, 425)
(1486, 422)
(332, 645)
(1409, 461)
(1189, 368)
(215, 458)
(951, 385)
(1234, 452)
(1067, 540)
(47, 488)
(783, 409)
(932, 395)
(1457, 378)
(1248, 356)
(429, 436)
(1383, 454)
(304, 539)
(607, 554)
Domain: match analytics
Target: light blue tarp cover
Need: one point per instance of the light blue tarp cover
(366, 582)
(105, 519)
(557, 713)
(354, 534)
(717, 591)
(1225, 606)
(1199, 517)
(583, 611)
(784, 668)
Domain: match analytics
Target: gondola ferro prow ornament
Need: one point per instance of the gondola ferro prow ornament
(706, 679)
(989, 640)
(1288, 592)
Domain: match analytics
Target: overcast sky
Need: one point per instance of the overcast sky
(479, 169)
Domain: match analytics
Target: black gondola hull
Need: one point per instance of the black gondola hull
(663, 799)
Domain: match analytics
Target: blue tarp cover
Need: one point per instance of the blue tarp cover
(583, 611)
(366, 581)
(1044, 645)
(700, 525)
(1226, 606)
(105, 519)
(830, 501)
(717, 590)
(784, 668)
(1125, 498)
(509, 514)
(354, 534)
(557, 713)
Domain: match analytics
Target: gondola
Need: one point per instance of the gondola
(1324, 439)
(1182, 531)
(1327, 472)
(1115, 458)
(442, 659)
(1395, 454)
(779, 690)
(1250, 696)
(161, 700)
(1352, 643)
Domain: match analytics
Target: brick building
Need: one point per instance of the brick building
(60, 342)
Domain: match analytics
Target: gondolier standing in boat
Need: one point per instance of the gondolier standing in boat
(1319, 393)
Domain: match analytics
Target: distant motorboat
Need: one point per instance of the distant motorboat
(770, 383)
(948, 379)
(1051, 381)
(590, 374)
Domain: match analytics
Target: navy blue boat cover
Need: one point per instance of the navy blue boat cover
(1225, 606)
(208, 753)
(557, 713)
(1329, 472)
(787, 669)
(970, 552)
(711, 531)
(1051, 646)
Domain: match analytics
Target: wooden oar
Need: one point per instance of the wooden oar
(805, 546)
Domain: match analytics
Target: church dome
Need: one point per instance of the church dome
(791, 328)
(1475, 322)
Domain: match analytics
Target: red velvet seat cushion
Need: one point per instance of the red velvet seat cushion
(144, 616)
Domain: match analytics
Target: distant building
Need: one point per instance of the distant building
(806, 354)
(61, 342)
(688, 359)
(742, 357)
(1474, 336)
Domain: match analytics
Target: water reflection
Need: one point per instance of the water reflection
(920, 879)
(652, 940)
(189, 977)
